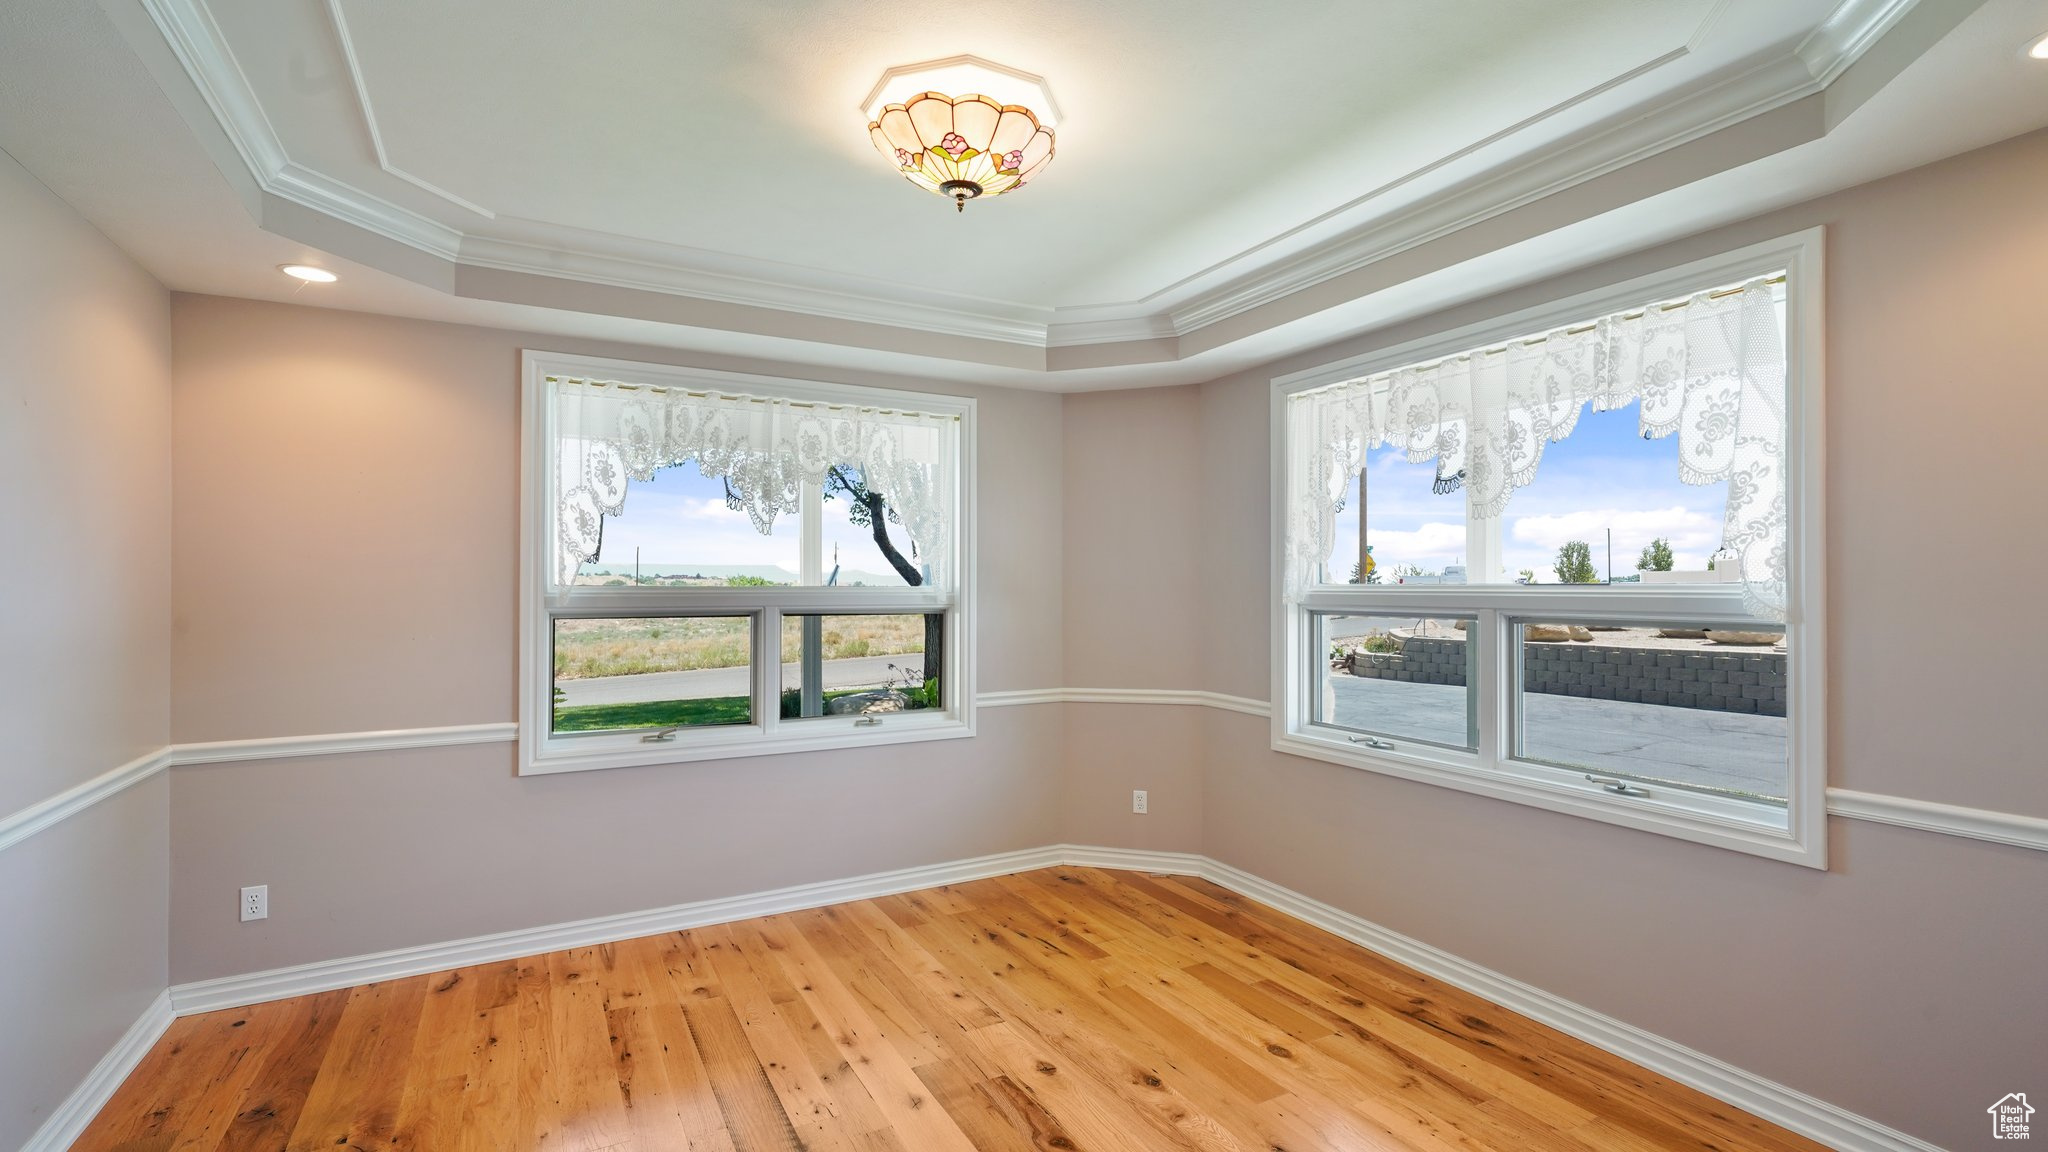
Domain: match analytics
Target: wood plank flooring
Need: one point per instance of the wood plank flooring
(1069, 1008)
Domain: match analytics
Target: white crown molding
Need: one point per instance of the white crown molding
(345, 202)
(369, 113)
(18, 826)
(703, 275)
(1836, 1127)
(195, 39)
(1846, 34)
(1248, 280)
(70, 1119)
(1683, 119)
(342, 743)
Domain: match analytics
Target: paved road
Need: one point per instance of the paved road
(1687, 745)
(703, 683)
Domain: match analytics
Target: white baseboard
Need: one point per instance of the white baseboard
(1787, 1107)
(1835, 1127)
(69, 1120)
(326, 975)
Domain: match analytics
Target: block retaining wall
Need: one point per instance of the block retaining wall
(1728, 680)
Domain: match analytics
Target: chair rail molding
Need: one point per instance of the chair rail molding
(18, 826)
(2009, 828)
(340, 743)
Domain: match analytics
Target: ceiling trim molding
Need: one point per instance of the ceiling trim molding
(1625, 138)
(1847, 33)
(1684, 118)
(197, 43)
(1189, 288)
(322, 193)
(369, 113)
(824, 295)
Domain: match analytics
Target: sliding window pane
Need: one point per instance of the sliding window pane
(1397, 678)
(1674, 704)
(625, 673)
(861, 664)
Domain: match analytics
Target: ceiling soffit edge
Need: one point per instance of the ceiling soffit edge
(1228, 290)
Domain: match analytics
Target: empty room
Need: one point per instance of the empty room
(948, 576)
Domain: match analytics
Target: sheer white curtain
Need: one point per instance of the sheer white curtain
(1710, 370)
(768, 449)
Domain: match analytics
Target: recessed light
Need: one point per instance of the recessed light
(308, 273)
(2038, 50)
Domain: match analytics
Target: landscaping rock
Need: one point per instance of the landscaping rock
(1750, 639)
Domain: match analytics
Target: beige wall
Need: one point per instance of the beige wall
(1905, 982)
(1132, 616)
(347, 501)
(85, 410)
(344, 561)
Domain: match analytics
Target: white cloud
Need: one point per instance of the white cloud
(1534, 540)
(1429, 546)
(677, 529)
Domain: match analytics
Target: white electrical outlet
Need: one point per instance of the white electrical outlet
(256, 902)
(1138, 801)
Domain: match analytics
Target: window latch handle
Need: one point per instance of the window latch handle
(1372, 742)
(867, 722)
(1618, 787)
(666, 735)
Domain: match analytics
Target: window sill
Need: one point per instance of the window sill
(542, 757)
(1585, 800)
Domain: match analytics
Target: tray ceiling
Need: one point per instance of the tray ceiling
(1229, 176)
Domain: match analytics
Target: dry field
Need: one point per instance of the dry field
(629, 647)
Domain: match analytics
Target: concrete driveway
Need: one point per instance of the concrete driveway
(1684, 745)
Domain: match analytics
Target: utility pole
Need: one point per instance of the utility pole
(1364, 552)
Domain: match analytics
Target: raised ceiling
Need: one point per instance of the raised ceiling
(1230, 177)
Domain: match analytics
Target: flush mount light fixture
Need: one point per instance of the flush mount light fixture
(308, 273)
(2038, 49)
(962, 127)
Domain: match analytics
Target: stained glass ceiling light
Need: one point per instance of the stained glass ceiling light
(962, 127)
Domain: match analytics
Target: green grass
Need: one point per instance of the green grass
(673, 713)
(655, 714)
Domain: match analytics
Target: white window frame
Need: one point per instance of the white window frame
(542, 752)
(1490, 771)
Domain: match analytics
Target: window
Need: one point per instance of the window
(721, 565)
(1570, 558)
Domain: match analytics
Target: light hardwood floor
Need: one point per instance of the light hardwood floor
(1068, 1008)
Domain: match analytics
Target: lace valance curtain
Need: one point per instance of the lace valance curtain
(768, 450)
(1710, 370)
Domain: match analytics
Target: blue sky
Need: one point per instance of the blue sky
(680, 523)
(1605, 475)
